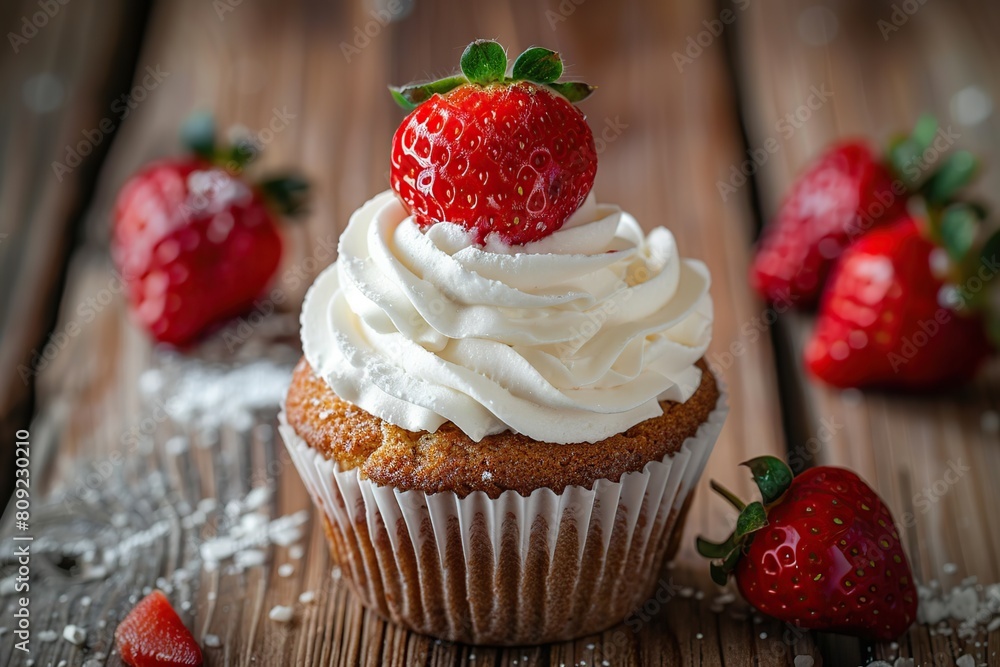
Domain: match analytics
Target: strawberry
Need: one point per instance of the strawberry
(820, 551)
(195, 242)
(153, 635)
(848, 191)
(492, 153)
(889, 320)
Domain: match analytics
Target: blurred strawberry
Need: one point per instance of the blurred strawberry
(847, 192)
(195, 241)
(901, 311)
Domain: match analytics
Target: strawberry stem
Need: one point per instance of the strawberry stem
(731, 497)
(484, 63)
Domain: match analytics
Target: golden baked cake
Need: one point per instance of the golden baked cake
(503, 407)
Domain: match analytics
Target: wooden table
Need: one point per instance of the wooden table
(678, 109)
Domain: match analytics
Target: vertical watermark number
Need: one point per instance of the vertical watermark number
(22, 540)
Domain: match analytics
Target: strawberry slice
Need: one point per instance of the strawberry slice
(153, 635)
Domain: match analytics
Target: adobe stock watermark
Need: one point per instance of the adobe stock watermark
(609, 133)
(373, 27)
(913, 171)
(785, 128)
(293, 278)
(698, 43)
(86, 312)
(900, 16)
(954, 298)
(559, 15)
(120, 108)
(30, 25)
(750, 332)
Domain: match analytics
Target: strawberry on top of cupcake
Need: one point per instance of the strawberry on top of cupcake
(489, 288)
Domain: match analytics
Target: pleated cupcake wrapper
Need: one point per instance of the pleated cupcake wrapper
(510, 570)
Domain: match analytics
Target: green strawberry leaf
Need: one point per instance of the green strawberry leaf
(958, 228)
(288, 194)
(539, 65)
(198, 134)
(751, 519)
(720, 572)
(904, 150)
(772, 475)
(958, 170)
(716, 550)
(573, 91)
(484, 62)
(410, 96)
(719, 575)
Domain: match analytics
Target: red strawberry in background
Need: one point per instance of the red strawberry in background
(820, 551)
(893, 317)
(153, 635)
(195, 241)
(847, 192)
(492, 153)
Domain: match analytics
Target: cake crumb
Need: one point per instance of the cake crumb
(804, 661)
(212, 641)
(286, 570)
(281, 614)
(74, 634)
(307, 597)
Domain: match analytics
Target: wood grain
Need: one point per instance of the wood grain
(931, 457)
(61, 75)
(669, 133)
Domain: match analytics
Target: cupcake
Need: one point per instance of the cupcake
(503, 408)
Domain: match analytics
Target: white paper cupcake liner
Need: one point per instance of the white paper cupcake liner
(512, 570)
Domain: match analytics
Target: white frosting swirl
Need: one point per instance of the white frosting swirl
(573, 338)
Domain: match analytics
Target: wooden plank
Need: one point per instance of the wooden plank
(62, 71)
(678, 129)
(882, 76)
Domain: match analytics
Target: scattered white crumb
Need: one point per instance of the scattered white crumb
(61, 663)
(249, 558)
(763, 635)
(994, 625)
(804, 661)
(212, 641)
(903, 662)
(699, 636)
(74, 634)
(176, 445)
(280, 614)
(966, 661)
(307, 597)
(950, 568)
(296, 552)
(286, 570)
(47, 636)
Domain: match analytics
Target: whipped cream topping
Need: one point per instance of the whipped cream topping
(573, 338)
